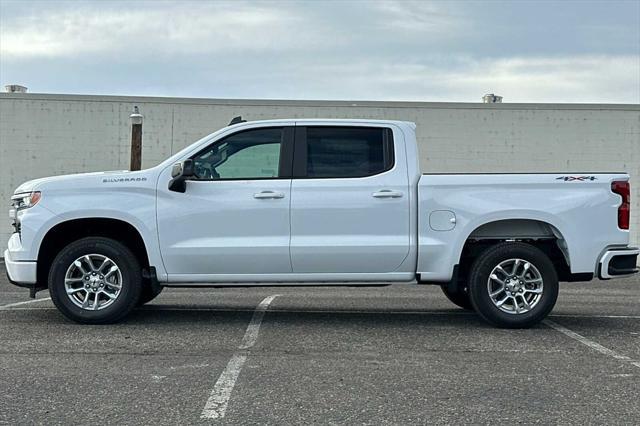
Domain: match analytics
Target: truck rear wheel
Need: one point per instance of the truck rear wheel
(513, 285)
(458, 294)
(95, 280)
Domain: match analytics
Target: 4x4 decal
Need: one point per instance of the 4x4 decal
(576, 178)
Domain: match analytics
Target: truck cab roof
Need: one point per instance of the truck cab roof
(342, 121)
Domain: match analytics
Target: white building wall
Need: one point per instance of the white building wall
(43, 135)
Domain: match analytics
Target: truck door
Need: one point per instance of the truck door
(233, 217)
(349, 200)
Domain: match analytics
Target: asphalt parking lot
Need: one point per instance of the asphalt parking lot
(385, 355)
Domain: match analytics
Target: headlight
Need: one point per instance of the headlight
(22, 201)
(25, 200)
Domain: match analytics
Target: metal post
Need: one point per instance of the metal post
(136, 139)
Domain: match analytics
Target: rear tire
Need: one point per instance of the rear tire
(513, 285)
(458, 295)
(95, 280)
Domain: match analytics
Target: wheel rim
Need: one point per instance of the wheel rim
(93, 282)
(515, 286)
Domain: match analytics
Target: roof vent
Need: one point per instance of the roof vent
(15, 88)
(490, 98)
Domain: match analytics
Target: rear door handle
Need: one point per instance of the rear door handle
(264, 195)
(387, 193)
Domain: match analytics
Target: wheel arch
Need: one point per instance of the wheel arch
(71, 230)
(538, 232)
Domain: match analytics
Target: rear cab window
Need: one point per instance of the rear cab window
(343, 152)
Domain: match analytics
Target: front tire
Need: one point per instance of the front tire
(513, 285)
(95, 280)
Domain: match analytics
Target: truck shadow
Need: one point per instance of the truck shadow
(328, 317)
(307, 316)
(157, 317)
(211, 315)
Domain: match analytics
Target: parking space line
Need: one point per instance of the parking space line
(590, 343)
(11, 305)
(216, 405)
(251, 335)
(596, 316)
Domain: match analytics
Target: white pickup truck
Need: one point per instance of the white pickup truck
(316, 202)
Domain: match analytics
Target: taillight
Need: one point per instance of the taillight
(622, 189)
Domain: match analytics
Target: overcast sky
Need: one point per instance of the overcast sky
(541, 51)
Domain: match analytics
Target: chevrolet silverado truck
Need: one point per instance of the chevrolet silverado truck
(316, 202)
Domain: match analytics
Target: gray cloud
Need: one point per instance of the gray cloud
(392, 50)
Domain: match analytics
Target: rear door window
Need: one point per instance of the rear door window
(347, 152)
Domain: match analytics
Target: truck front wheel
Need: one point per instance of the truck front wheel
(513, 285)
(95, 280)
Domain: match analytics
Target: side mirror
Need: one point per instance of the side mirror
(180, 173)
(176, 170)
(188, 169)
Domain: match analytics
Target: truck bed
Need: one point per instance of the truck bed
(455, 208)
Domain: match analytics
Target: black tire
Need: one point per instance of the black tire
(458, 295)
(131, 284)
(479, 278)
(148, 293)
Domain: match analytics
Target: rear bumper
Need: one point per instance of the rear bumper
(21, 273)
(616, 263)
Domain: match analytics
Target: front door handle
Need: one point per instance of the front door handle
(264, 195)
(387, 193)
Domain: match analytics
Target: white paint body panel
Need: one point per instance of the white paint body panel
(584, 212)
(338, 226)
(220, 228)
(322, 230)
(91, 195)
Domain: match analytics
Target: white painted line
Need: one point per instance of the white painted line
(11, 305)
(596, 316)
(590, 343)
(216, 405)
(251, 335)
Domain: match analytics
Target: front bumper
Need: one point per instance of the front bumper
(617, 263)
(22, 273)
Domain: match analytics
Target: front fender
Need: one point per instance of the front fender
(133, 206)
